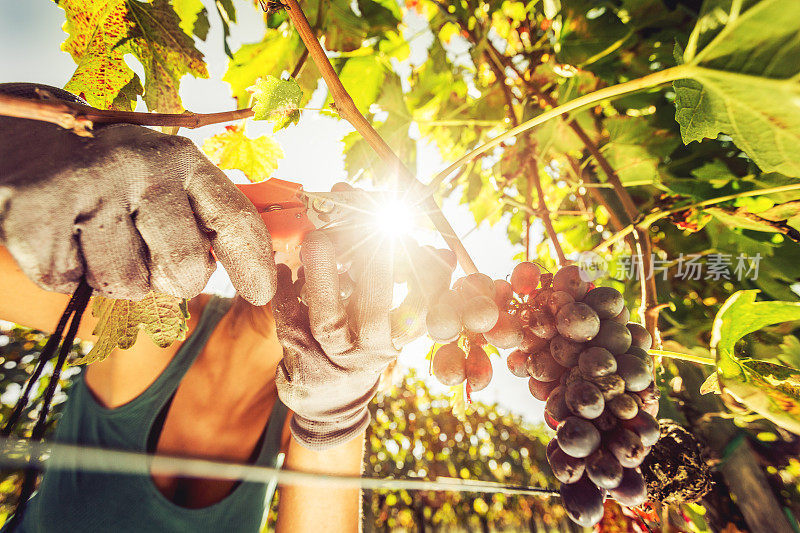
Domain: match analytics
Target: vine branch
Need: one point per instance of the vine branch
(543, 212)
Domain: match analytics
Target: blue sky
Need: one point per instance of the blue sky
(30, 35)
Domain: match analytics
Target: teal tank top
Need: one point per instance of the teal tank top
(75, 501)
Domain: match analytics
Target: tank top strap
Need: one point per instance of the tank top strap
(271, 445)
(166, 384)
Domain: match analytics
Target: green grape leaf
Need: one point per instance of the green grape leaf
(277, 100)
(273, 55)
(745, 81)
(363, 78)
(162, 317)
(635, 148)
(193, 16)
(771, 390)
(100, 33)
(233, 149)
(345, 31)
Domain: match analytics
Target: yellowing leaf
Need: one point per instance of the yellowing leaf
(100, 33)
(277, 100)
(162, 317)
(233, 149)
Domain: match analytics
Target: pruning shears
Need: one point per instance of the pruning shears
(290, 212)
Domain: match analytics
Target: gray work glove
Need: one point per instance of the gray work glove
(335, 350)
(131, 209)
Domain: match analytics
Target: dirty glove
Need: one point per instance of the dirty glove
(335, 350)
(131, 209)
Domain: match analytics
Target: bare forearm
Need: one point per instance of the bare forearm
(317, 508)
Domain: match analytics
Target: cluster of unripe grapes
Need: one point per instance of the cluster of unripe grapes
(581, 356)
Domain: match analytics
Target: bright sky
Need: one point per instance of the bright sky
(30, 35)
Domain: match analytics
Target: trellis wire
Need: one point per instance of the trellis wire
(54, 456)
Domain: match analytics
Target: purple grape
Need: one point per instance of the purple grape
(543, 367)
(480, 314)
(623, 317)
(450, 364)
(606, 421)
(612, 336)
(632, 490)
(584, 399)
(541, 389)
(556, 405)
(646, 426)
(623, 406)
(506, 333)
(569, 279)
(542, 324)
(566, 469)
(517, 363)
(479, 369)
(443, 323)
(578, 437)
(557, 300)
(530, 342)
(596, 362)
(640, 337)
(578, 322)
(651, 394)
(565, 351)
(525, 278)
(610, 386)
(634, 371)
(607, 302)
(583, 502)
(603, 469)
(643, 355)
(627, 447)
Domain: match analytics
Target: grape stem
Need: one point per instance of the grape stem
(684, 357)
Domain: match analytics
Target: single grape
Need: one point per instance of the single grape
(640, 336)
(450, 364)
(603, 469)
(539, 298)
(584, 399)
(623, 317)
(443, 323)
(480, 314)
(503, 293)
(596, 362)
(451, 298)
(612, 336)
(578, 437)
(525, 278)
(517, 362)
(632, 490)
(566, 469)
(643, 355)
(607, 302)
(557, 300)
(565, 351)
(583, 502)
(651, 394)
(606, 421)
(551, 422)
(634, 371)
(623, 406)
(552, 446)
(578, 322)
(627, 447)
(651, 408)
(530, 342)
(543, 367)
(479, 368)
(571, 376)
(569, 279)
(556, 405)
(644, 425)
(541, 389)
(542, 324)
(477, 284)
(506, 333)
(610, 386)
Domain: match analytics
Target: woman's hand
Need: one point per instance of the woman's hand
(131, 210)
(335, 350)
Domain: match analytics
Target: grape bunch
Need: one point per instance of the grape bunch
(582, 358)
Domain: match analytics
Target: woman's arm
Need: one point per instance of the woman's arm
(317, 508)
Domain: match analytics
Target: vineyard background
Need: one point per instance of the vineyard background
(482, 67)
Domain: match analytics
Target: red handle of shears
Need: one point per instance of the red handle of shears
(283, 211)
